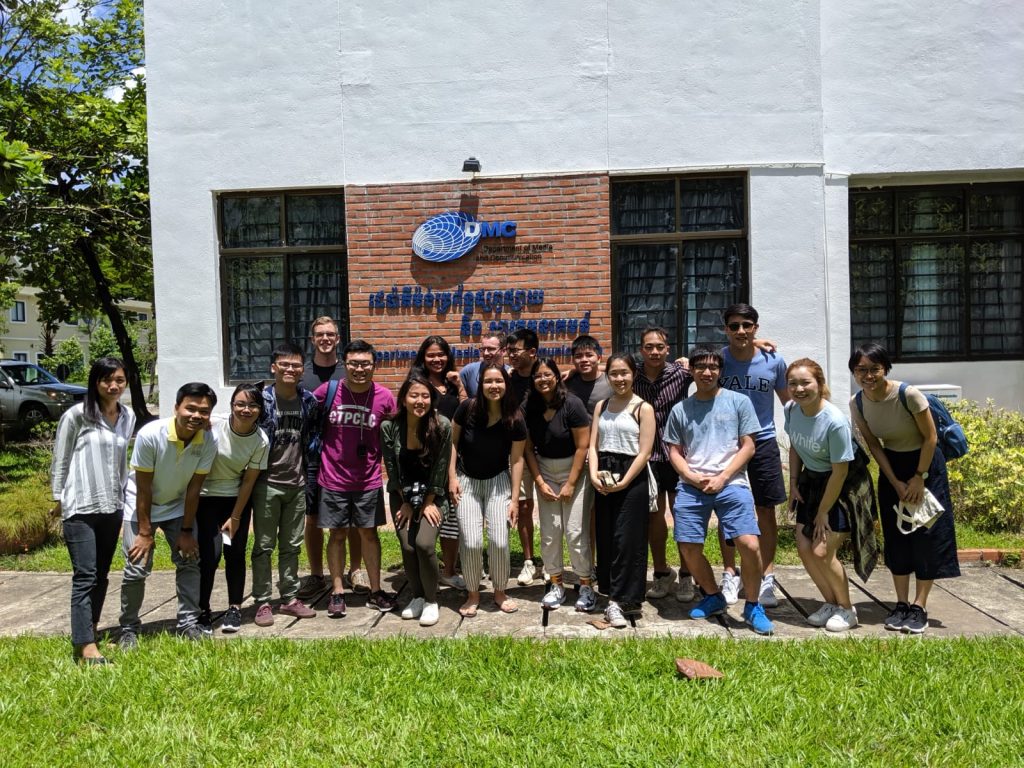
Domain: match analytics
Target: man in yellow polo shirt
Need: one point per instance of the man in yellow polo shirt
(171, 459)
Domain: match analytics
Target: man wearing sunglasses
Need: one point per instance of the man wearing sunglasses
(761, 376)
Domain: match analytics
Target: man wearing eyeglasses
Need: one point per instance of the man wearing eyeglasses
(350, 476)
(761, 376)
(279, 497)
(323, 367)
(492, 349)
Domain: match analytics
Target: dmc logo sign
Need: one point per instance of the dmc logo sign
(452, 234)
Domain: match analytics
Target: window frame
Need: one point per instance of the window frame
(286, 252)
(678, 238)
(23, 305)
(965, 238)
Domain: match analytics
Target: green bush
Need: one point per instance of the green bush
(69, 354)
(987, 484)
(25, 520)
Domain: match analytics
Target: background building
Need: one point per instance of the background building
(854, 170)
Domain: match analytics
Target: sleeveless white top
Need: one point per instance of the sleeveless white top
(620, 432)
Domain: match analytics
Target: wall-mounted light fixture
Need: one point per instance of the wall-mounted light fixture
(471, 165)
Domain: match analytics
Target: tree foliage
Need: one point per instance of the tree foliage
(72, 91)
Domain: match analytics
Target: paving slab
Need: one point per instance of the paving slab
(802, 598)
(998, 594)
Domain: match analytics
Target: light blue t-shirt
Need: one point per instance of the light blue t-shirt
(759, 380)
(709, 431)
(821, 440)
(470, 375)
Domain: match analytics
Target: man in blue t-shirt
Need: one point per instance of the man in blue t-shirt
(710, 439)
(761, 376)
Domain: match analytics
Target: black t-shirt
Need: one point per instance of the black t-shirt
(521, 385)
(484, 451)
(314, 375)
(448, 400)
(553, 439)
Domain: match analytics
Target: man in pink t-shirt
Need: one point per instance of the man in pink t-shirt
(350, 479)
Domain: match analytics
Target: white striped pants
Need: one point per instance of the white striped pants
(484, 501)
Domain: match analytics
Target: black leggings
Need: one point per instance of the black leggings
(213, 512)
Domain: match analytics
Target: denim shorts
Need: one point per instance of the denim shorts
(734, 506)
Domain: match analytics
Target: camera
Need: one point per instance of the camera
(414, 496)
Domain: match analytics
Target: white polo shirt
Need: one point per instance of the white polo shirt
(159, 450)
(235, 455)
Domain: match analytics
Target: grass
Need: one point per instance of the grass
(506, 702)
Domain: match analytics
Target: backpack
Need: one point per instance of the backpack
(951, 438)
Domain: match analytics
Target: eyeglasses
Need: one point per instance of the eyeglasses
(544, 376)
(515, 350)
(358, 364)
(746, 326)
(246, 406)
(707, 367)
(289, 366)
(875, 370)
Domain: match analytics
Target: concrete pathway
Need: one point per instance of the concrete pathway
(984, 601)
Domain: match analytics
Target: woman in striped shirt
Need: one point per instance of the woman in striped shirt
(88, 477)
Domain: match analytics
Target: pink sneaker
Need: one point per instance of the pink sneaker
(265, 616)
(298, 609)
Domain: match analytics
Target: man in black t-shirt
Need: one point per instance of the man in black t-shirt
(521, 352)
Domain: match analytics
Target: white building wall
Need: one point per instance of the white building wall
(286, 93)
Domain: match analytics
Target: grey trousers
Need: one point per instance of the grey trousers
(278, 519)
(133, 585)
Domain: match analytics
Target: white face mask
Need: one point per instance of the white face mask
(910, 517)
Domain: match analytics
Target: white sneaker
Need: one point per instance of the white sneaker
(662, 586)
(527, 575)
(414, 609)
(685, 592)
(614, 616)
(429, 616)
(731, 586)
(554, 597)
(821, 616)
(767, 597)
(455, 580)
(842, 620)
(587, 601)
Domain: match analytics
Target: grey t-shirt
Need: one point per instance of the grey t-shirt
(709, 431)
(590, 392)
(284, 466)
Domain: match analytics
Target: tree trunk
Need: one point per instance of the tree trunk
(131, 369)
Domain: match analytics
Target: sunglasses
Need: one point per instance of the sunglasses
(746, 326)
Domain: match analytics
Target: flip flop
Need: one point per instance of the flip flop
(468, 611)
(508, 606)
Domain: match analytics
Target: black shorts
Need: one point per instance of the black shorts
(812, 488)
(665, 476)
(765, 474)
(351, 509)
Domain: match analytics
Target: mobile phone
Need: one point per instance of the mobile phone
(226, 538)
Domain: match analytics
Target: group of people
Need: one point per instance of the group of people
(605, 453)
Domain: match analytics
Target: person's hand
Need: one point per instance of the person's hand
(684, 363)
(513, 514)
(230, 527)
(713, 483)
(187, 545)
(794, 496)
(432, 514)
(452, 377)
(901, 490)
(141, 548)
(766, 345)
(914, 493)
(566, 492)
(545, 490)
(454, 490)
(821, 529)
(403, 516)
(55, 511)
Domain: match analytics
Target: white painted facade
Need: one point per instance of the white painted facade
(810, 97)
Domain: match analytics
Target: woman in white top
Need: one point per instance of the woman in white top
(225, 508)
(621, 440)
(88, 477)
(820, 451)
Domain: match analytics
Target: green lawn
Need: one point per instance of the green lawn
(504, 702)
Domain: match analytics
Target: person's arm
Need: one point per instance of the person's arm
(877, 451)
(249, 478)
(63, 448)
(833, 488)
(530, 455)
(452, 377)
(515, 461)
(454, 489)
(677, 458)
(795, 465)
(930, 438)
(766, 345)
(581, 436)
(390, 446)
(438, 477)
(648, 429)
(595, 433)
(186, 543)
(143, 505)
(716, 483)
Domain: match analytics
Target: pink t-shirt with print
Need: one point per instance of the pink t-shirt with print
(354, 420)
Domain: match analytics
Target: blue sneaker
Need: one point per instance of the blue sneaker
(712, 605)
(753, 614)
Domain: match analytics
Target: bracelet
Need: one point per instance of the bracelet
(236, 519)
(186, 530)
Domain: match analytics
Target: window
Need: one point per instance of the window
(936, 272)
(18, 312)
(20, 356)
(679, 256)
(283, 263)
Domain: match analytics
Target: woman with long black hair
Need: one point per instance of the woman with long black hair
(88, 477)
(489, 438)
(416, 443)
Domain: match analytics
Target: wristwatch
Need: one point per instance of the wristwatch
(922, 475)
